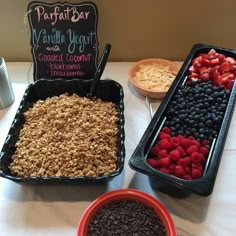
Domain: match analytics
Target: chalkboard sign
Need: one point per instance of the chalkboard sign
(63, 40)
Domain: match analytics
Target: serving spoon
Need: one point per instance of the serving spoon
(100, 69)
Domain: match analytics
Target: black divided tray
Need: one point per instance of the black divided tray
(169, 184)
(107, 90)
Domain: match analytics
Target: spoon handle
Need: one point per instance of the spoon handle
(100, 69)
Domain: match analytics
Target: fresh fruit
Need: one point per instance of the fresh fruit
(197, 110)
(194, 116)
(179, 156)
(215, 67)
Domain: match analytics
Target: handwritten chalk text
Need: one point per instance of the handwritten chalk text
(56, 37)
(63, 66)
(60, 14)
(66, 73)
(67, 57)
(81, 40)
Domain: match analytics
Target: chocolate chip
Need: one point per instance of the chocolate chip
(126, 217)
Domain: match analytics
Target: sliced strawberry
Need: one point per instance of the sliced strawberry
(203, 69)
(214, 66)
(221, 57)
(212, 54)
(205, 76)
(197, 65)
(205, 62)
(197, 60)
(233, 67)
(214, 61)
(215, 71)
(194, 75)
(230, 84)
(204, 56)
(192, 69)
(231, 60)
(223, 79)
(225, 67)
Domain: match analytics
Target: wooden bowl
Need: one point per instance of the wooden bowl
(151, 92)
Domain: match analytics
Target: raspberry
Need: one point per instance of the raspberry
(154, 150)
(186, 161)
(162, 153)
(185, 143)
(152, 162)
(181, 151)
(163, 135)
(202, 159)
(195, 142)
(179, 171)
(179, 136)
(187, 169)
(175, 155)
(192, 148)
(205, 142)
(204, 151)
(172, 167)
(175, 141)
(165, 162)
(166, 130)
(165, 144)
(187, 177)
(196, 157)
(180, 162)
(165, 170)
(196, 173)
(197, 166)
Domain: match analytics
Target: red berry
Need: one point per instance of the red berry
(187, 169)
(165, 144)
(205, 142)
(172, 167)
(175, 141)
(204, 151)
(196, 173)
(165, 129)
(180, 162)
(179, 171)
(152, 162)
(165, 170)
(179, 136)
(165, 162)
(195, 142)
(187, 177)
(185, 143)
(192, 148)
(175, 155)
(163, 135)
(162, 153)
(181, 151)
(186, 161)
(197, 166)
(155, 150)
(196, 157)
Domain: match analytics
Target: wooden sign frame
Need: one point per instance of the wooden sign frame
(64, 42)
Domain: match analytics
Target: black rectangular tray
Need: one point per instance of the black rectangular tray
(169, 184)
(107, 90)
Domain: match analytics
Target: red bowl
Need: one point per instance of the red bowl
(124, 194)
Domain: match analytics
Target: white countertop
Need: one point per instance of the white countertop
(56, 210)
